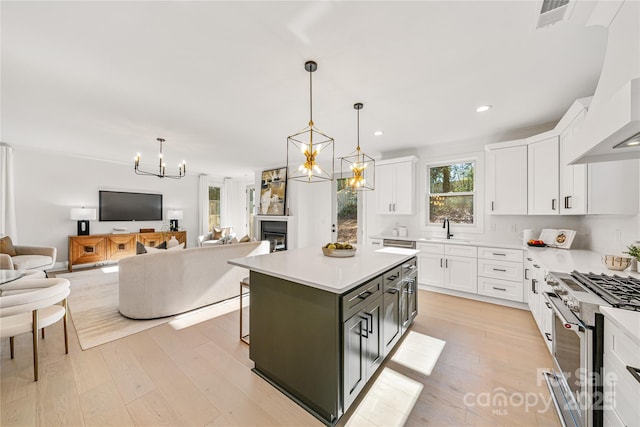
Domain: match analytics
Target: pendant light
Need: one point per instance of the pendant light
(358, 168)
(307, 147)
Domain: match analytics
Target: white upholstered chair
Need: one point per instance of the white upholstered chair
(27, 305)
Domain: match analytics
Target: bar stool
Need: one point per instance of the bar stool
(244, 284)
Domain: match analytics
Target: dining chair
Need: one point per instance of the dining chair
(29, 305)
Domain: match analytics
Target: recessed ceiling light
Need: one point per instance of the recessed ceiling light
(483, 108)
(378, 133)
(633, 143)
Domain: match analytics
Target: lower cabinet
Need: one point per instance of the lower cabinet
(363, 349)
(621, 377)
(500, 273)
(541, 311)
(449, 266)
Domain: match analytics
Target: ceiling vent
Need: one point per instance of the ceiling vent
(552, 11)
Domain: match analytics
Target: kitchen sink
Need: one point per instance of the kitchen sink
(443, 240)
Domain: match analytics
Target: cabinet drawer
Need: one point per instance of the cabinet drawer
(391, 278)
(617, 343)
(501, 289)
(431, 248)
(514, 255)
(500, 270)
(409, 267)
(358, 298)
(460, 250)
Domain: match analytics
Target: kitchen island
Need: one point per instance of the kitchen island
(321, 326)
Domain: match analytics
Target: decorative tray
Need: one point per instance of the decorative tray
(338, 253)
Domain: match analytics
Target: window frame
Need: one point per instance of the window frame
(478, 194)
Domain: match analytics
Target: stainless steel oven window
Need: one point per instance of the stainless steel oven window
(567, 355)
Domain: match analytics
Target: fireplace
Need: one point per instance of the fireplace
(276, 233)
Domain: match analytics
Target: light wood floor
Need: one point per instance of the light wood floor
(200, 376)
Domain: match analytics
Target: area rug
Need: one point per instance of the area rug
(93, 306)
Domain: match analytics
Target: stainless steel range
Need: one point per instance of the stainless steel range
(576, 380)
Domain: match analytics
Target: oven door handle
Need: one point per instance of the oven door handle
(576, 325)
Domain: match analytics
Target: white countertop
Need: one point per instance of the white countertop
(567, 260)
(452, 241)
(627, 320)
(308, 266)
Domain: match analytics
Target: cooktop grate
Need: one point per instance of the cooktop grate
(620, 292)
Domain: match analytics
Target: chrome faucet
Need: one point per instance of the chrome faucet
(445, 224)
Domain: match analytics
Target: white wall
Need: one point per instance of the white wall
(48, 185)
(236, 204)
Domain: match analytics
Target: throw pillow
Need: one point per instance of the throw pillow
(162, 245)
(150, 249)
(140, 249)
(234, 240)
(6, 246)
(217, 233)
(173, 248)
(245, 238)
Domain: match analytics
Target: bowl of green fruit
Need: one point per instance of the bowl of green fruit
(339, 250)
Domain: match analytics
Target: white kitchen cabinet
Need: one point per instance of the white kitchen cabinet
(535, 280)
(395, 186)
(573, 178)
(507, 179)
(500, 273)
(613, 187)
(621, 386)
(438, 267)
(543, 158)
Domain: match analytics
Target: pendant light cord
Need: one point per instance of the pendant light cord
(311, 96)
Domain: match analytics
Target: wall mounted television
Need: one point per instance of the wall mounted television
(125, 206)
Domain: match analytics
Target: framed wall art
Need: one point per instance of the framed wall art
(273, 192)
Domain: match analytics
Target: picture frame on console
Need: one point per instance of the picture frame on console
(273, 191)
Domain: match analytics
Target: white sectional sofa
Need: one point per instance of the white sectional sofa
(165, 283)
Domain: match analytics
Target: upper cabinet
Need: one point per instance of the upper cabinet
(507, 179)
(395, 186)
(543, 168)
(573, 178)
(534, 177)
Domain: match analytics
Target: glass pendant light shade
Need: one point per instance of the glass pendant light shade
(358, 168)
(310, 152)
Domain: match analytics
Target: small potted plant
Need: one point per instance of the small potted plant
(634, 252)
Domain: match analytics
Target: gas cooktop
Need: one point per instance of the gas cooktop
(620, 292)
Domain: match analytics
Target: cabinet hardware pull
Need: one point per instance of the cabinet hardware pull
(548, 305)
(526, 274)
(499, 289)
(491, 205)
(394, 277)
(364, 295)
(529, 259)
(392, 291)
(500, 269)
(548, 335)
(389, 207)
(569, 202)
(371, 324)
(499, 254)
(394, 207)
(536, 265)
(440, 262)
(534, 282)
(553, 204)
(634, 372)
(365, 332)
(446, 263)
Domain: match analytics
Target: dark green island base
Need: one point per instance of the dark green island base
(320, 348)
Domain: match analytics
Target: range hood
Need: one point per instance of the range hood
(611, 130)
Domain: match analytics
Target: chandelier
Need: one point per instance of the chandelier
(304, 147)
(357, 167)
(182, 167)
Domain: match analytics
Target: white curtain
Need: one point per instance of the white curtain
(203, 204)
(7, 193)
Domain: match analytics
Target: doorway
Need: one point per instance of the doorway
(346, 211)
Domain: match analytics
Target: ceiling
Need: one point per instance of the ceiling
(224, 82)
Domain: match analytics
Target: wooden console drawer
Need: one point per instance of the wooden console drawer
(150, 239)
(87, 249)
(120, 246)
